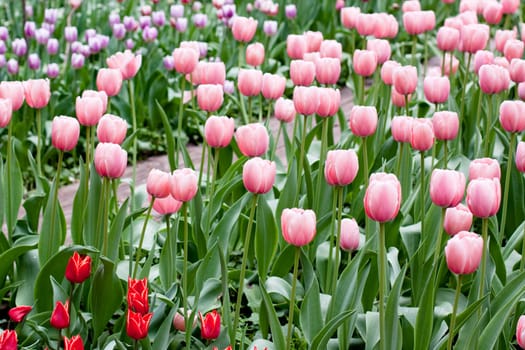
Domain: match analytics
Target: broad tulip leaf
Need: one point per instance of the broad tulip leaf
(266, 237)
(273, 320)
(310, 316)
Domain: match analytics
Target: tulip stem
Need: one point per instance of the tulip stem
(522, 265)
(301, 161)
(340, 191)
(407, 111)
(512, 146)
(414, 45)
(106, 194)
(445, 154)
(39, 141)
(361, 90)
(187, 320)
(276, 141)
(135, 344)
(292, 299)
(246, 248)
(443, 64)
(464, 87)
(170, 241)
(261, 108)
(437, 252)
(486, 142)
(330, 252)
(398, 165)
(134, 146)
(9, 185)
(365, 161)
(54, 204)
(250, 111)
(422, 192)
(322, 157)
(179, 122)
(453, 316)
(484, 234)
(139, 249)
(382, 287)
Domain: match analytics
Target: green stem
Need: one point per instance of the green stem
(365, 161)
(407, 111)
(250, 108)
(203, 156)
(139, 249)
(39, 141)
(443, 64)
(522, 265)
(106, 190)
(292, 298)
(9, 181)
(331, 240)
(55, 197)
(169, 242)
(292, 151)
(422, 192)
(464, 87)
(512, 146)
(261, 108)
(276, 141)
(340, 191)
(134, 146)
(301, 161)
(361, 90)
(215, 171)
(438, 250)
(243, 264)
(453, 317)
(484, 233)
(322, 157)
(414, 44)
(486, 141)
(445, 154)
(398, 162)
(179, 122)
(187, 320)
(476, 124)
(382, 287)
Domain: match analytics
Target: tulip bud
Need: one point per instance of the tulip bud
(127, 62)
(520, 332)
(382, 197)
(137, 325)
(250, 82)
(422, 135)
(252, 139)
(402, 128)
(255, 54)
(284, 110)
(110, 160)
(111, 129)
(405, 79)
(364, 62)
(37, 92)
(512, 116)
(341, 167)
(349, 235)
(158, 183)
(298, 226)
(73, 343)
(273, 86)
(302, 72)
(60, 315)
(184, 184)
(306, 99)
(520, 157)
(484, 197)
(484, 168)
(363, 120)
(463, 252)
(6, 112)
(65, 132)
(210, 325)
(210, 97)
(446, 125)
(78, 268)
(8, 340)
(109, 80)
(457, 219)
(18, 313)
(243, 28)
(436, 89)
(447, 187)
(258, 175)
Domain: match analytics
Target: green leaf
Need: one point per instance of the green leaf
(321, 339)
(310, 317)
(105, 296)
(392, 312)
(170, 144)
(163, 334)
(225, 226)
(14, 190)
(78, 213)
(53, 232)
(273, 320)
(115, 232)
(266, 237)
(92, 226)
(7, 258)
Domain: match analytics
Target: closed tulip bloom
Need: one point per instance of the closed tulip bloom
(209, 73)
(73, 343)
(298, 226)
(493, 79)
(218, 131)
(349, 16)
(6, 112)
(327, 70)
(510, 6)
(18, 313)
(273, 86)
(484, 168)
(382, 49)
(37, 92)
(364, 62)
(481, 58)
(258, 175)
(457, 219)
(137, 325)
(185, 59)
(127, 62)
(366, 24)
(158, 183)
(302, 72)
(210, 97)
(110, 160)
(306, 99)
(520, 157)
(455, 65)
(14, 91)
(387, 71)
(89, 110)
(210, 325)
(422, 135)
(501, 37)
(436, 89)
(8, 340)
(313, 41)
(502, 62)
(517, 70)
(296, 46)
(252, 139)
(474, 37)
(349, 235)
(167, 205)
(65, 132)
(109, 80)
(413, 21)
(447, 187)
(250, 82)
(100, 95)
(329, 102)
(447, 38)
(513, 49)
(78, 268)
(111, 129)
(363, 120)
(405, 79)
(512, 116)
(184, 184)
(463, 252)
(243, 28)
(60, 315)
(382, 197)
(179, 322)
(331, 48)
(398, 100)
(446, 125)
(284, 110)
(493, 12)
(484, 197)
(411, 5)
(33, 61)
(341, 167)
(520, 332)
(402, 128)
(255, 54)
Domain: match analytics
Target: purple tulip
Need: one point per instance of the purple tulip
(52, 70)
(181, 25)
(94, 45)
(50, 16)
(228, 11)
(89, 33)
(76, 46)
(144, 22)
(42, 36)
(12, 66)
(77, 61)
(4, 33)
(19, 47)
(114, 18)
(33, 61)
(29, 29)
(169, 63)
(104, 40)
(200, 20)
(158, 18)
(197, 6)
(228, 87)
(3, 48)
(130, 44)
(2, 61)
(29, 10)
(71, 34)
(52, 46)
(270, 28)
(50, 27)
(149, 34)
(130, 23)
(85, 50)
(290, 11)
(176, 11)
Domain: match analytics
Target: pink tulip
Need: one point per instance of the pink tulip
(313, 41)
(341, 167)
(402, 128)
(484, 197)
(306, 99)
(64, 133)
(413, 21)
(363, 120)
(422, 134)
(258, 175)
(14, 91)
(512, 116)
(484, 168)
(327, 70)
(493, 12)
(183, 184)
(167, 205)
(457, 219)
(312, 57)
(520, 331)
(6, 112)
(517, 70)
(109, 80)
(411, 5)
(252, 139)
(255, 54)
(209, 73)
(329, 102)
(185, 59)
(100, 95)
(250, 82)
(126, 62)
(398, 100)
(296, 46)
(446, 125)
(455, 65)
(366, 24)
(481, 58)
(243, 28)
(405, 79)
(349, 235)
(463, 252)
(37, 92)
(110, 160)
(364, 62)
(387, 71)
(111, 129)
(158, 183)
(210, 97)
(447, 187)
(510, 6)
(474, 37)
(382, 197)
(501, 37)
(381, 48)
(284, 110)
(89, 110)
(302, 72)
(332, 49)
(521, 91)
(273, 86)
(513, 49)
(520, 157)
(447, 38)
(218, 131)
(436, 89)
(493, 79)
(298, 226)
(349, 16)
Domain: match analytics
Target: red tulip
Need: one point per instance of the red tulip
(78, 268)
(298, 226)
(65, 132)
(18, 313)
(8, 340)
(447, 187)
(138, 295)
(37, 92)
(60, 315)
(184, 184)
(126, 62)
(457, 219)
(73, 343)
(382, 197)
(210, 325)
(137, 325)
(258, 175)
(463, 252)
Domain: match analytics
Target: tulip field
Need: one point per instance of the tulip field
(342, 174)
